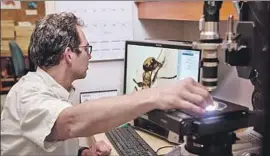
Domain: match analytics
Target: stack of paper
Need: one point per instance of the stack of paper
(4, 45)
(7, 34)
(7, 29)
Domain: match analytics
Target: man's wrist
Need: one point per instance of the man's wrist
(149, 98)
(80, 151)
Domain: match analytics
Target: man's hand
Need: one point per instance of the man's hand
(89, 152)
(100, 148)
(186, 94)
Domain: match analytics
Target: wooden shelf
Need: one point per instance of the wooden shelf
(181, 10)
(20, 14)
(7, 54)
(5, 89)
(7, 79)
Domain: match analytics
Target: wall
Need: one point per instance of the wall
(101, 76)
(231, 87)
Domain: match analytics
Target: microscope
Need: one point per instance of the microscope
(213, 133)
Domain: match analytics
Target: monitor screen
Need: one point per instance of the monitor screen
(153, 64)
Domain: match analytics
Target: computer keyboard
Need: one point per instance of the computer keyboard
(128, 142)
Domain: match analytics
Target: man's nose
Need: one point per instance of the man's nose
(89, 56)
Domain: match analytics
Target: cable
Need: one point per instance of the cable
(163, 148)
(252, 9)
(237, 7)
(255, 15)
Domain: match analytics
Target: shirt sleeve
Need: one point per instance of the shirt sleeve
(38, 113)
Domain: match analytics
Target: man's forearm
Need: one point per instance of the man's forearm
(100, 115)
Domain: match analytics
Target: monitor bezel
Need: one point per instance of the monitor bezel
(97, 91)
(163, 44)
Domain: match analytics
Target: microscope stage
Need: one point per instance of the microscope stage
(228, 117)
(222, 108)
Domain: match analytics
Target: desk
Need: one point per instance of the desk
(153, 141)
(241, 146)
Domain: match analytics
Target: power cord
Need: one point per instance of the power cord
(163, 148)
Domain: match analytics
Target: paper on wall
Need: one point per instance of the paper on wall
(10, 4)
(108, 24)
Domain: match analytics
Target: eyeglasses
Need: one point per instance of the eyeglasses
(87, 48)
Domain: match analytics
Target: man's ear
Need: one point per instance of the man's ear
(68, 55)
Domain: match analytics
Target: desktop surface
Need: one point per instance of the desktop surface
(249, 142)
(128, 142)
(160, 146)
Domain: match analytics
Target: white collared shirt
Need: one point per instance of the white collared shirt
(30, 111)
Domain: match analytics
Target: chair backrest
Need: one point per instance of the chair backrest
(32, 66)
(17, 59)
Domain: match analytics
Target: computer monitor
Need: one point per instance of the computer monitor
(157, 63)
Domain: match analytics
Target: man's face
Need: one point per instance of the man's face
(80, 62)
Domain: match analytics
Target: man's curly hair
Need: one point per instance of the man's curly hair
(51, 36)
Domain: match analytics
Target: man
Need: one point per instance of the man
(39, 119)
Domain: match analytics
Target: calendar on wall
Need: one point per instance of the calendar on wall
(107, 25)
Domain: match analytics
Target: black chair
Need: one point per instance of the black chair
(18, 62)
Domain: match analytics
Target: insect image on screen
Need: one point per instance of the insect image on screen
(151, 67)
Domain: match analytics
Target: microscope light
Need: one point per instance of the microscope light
(212, 107)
